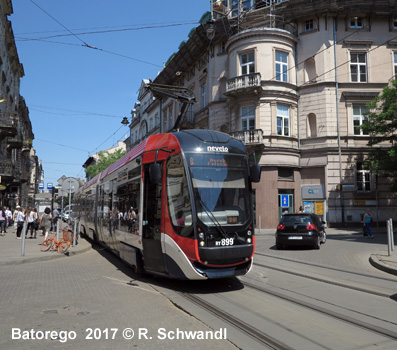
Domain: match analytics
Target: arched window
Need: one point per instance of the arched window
(311, 125)
(310, 70)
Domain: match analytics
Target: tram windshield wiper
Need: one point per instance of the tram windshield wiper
(213, 218)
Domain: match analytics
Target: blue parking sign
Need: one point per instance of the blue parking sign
(284, 201)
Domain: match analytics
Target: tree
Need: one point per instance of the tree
(381, 126)
(105, 159)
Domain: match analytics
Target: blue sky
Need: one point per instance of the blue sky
(77, 95)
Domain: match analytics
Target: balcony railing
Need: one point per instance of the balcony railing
(6, 168)
(249, 137)
(8, 125)
(244, 82)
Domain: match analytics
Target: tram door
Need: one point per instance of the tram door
(151, 230)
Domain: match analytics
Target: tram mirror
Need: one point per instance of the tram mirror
(155, 173)
(255, 173)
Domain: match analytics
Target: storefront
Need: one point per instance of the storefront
(313, 200)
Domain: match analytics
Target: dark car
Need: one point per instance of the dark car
(300, 229)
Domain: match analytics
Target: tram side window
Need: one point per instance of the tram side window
(179, 203)
(127, 201)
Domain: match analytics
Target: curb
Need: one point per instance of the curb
(379, 264)
(46, 257)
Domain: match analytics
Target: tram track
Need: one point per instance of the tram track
(259, 336)
(325, 267)
(337, 315)
(349, 284)
(346, 316)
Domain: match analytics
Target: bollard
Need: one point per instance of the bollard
(23, 239)
(391, 235)
(74, 232)
(58, 230)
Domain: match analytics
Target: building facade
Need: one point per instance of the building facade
(19, 166)
(291, 80)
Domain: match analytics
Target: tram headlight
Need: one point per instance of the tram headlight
(202, 243)
(201, 235)
(249, 233)
(249, 240)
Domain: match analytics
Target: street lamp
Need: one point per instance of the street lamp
(210, 29)
(125, 121)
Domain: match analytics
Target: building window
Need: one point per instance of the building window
(281, 66)
(165, 117)
(309, 25)
(151, 126)
(171, 116)
(311, 125)
(363, 178)
(394, 23)
(236, 9)
(247, 63)
(283, 120)
(156, 119)
(358, 67)
(395, 65)
(247, 115)
(356, 22)
(359, 116)
(203, 96)
(285, 174)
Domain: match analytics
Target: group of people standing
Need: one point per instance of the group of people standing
(31, 217)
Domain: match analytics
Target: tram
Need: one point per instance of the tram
(177, 205)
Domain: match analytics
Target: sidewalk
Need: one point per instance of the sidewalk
(379, 259)
(11, 249)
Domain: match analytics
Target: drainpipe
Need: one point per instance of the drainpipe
(338, 129)
(298, 122)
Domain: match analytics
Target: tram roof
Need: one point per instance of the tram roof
(189, 138)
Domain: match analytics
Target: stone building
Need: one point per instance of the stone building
(291, 79)
(19, 166)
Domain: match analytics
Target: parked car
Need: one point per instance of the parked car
(67, 215)
(300, 229)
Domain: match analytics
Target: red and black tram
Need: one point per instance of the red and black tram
(177, 205)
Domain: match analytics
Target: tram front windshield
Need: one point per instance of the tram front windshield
(220, 188)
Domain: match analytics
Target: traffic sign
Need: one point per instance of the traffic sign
(49, 186)
(41, 185)
(284, 201)
(70, 184)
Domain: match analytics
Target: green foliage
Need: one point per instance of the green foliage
(381, 127)
(105, 159)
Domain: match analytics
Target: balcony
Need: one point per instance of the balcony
(249, 83)
(6, 168)
(249, 137)
(8, 125)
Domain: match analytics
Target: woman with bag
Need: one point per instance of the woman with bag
(20, 221)
(32, 220)
(3, 221)
(45, 222)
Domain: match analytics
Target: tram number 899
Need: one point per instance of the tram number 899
(225, 242)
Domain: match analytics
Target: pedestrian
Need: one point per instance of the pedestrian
(3, 221)
(55, 217)
(20, 221)
(32, 222)
(14, 215)
(9, 218)
(45, 222)
(367, 220)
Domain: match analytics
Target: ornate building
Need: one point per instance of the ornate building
(291, 79)
(19, 166)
